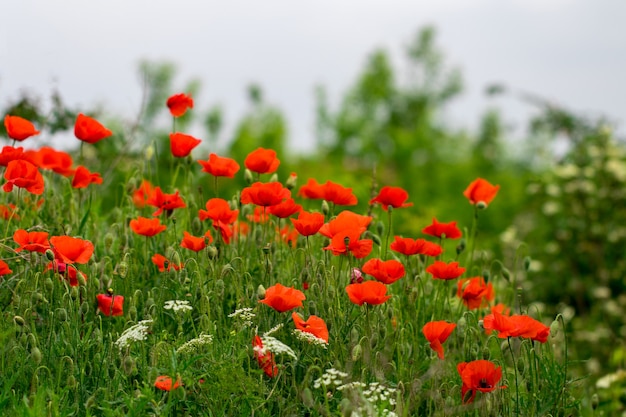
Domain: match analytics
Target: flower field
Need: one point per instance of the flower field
(288, 296)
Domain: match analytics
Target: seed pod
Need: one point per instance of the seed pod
(247, 176)
(356, 353)
(62, 314)
(71, 381)
(35, 355)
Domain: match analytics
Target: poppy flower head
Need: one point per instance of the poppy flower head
(9, 212)
(308, 224)
(370, 292)
(437, 332)
(386, 272)
(348, 240)
(329, 191)
(50, 159)
(262, 161)
(442, 230)
(10, 153)
(182, 144)
(19, 128)
(442, 270)
(408, 246)
(265, 194)
(31, 241)
(218, 210)
(345, 220)
(71, 250)
(147, 227)
(282, 298)
(285, 208)
(179, 103)
(21, 173)
(516, 326)
(110, 305)
(313, 325)
(480, 375)
(142, 194)
(67, 272)
(220, 166)
(165, 202)
(474, 292)
(4, 268)
(481, 191)
(166, 383)
(391, 196)
(90, 130)
(193, 243)
(164, 264)
(83, 178)
(264, 357)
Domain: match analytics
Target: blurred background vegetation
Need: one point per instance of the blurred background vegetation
(562, 202)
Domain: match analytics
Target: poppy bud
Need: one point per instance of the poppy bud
(486, 276)
(48, 284)
(81, 279)
(62, 314)
(132, 313)
(128, 365)
(506, 274)
(37, 297)
(307, 398)
(292, 181)
(380, 228)
(325, 208)
(487, 354)
(274, 178)
(19, 320)
(521, 365)
(149, 152)
(595, 401)
(356, 353)
(527, 262)
(122, 269)
(35, 355)
(49, 255)
(196, 226)
(481, 205)
(108, 241)
(554, 328)
(219, 287)
(376, 240)
(460, 247)
(211, 252)
(260, 292)
(70, 382)
(84, 307)
(247, 176)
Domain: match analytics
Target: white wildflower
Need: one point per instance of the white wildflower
(273, 330)
(309, 338)
(135, 333)
(245, 315)
(352, 385)
(276, 347)
(329, 378)
(178, 305)
(194, 345)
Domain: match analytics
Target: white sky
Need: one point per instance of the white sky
(570, 51)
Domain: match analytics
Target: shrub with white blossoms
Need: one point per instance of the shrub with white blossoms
(135, 333)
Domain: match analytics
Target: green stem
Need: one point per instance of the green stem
(508, 339)
(473, 233)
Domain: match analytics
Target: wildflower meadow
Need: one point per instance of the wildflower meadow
(187, 294)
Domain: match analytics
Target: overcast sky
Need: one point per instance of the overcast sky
(569, 51)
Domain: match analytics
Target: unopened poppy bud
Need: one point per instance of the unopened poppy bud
(108, 241)
(247, 176)
(460, 247)
(19, 320)
(49, 255)
(595, 401)
(292, 181)
(313, 308)
(380, 227)
(307, 398)
(486, 275)
(74, 293)
(506, 274)
(37, 297)
(481, 205)
(62, 314)
(70, 382)
(80, 277)
(356, 353)
(260, 292)
(211, 252)
(554, 328)
(148, 152)
(219, 287)
(527, 262)
(196, 226)
(266, 249)
(325, 208)
(48, 284)
(274, 178)
(128, 365)
(84, 307)
(132, 313)
(35, 355)
(376, 240)
(122, 269)
(110, 291)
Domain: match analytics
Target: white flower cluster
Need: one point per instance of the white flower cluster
(194, 345)
(329, 378)
(245, 315)
(309, 338)
(276, 347)
(135, 333)
(178, 305)
(376, 393)
(374, 397)
(273, 330)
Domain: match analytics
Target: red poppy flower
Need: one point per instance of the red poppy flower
(218, 210)
(51, 159)
(264, 357)
(166, 383)
(83, 178)
(31, 241)
(167, 202)
(345, 220)
(220, 166)
(19, 128)
(259, 215)
(474, 292)
(370, 292)
(194, 243)
(386, 272)
(179, 103)
(437, 332)
(349, 241)
(265, 194)
(4, 268)
(442, 270)
(481, 191)
(282, 298)
(408, 246)
(67, 272)
(284, 209)
(71, 250)
(329, 191)
(262, 160)
(313, 325)
(90, 130)
(182, 144)
(226, 230)
(8, 212)
(23, 174)
(443, 230)
(516, 326)
(9, 153)
(289, 235)
(110, 305)
(147, 227)
(480, 375)
(142, 194)
(308, 224)
(391, 196)
(164, 264)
